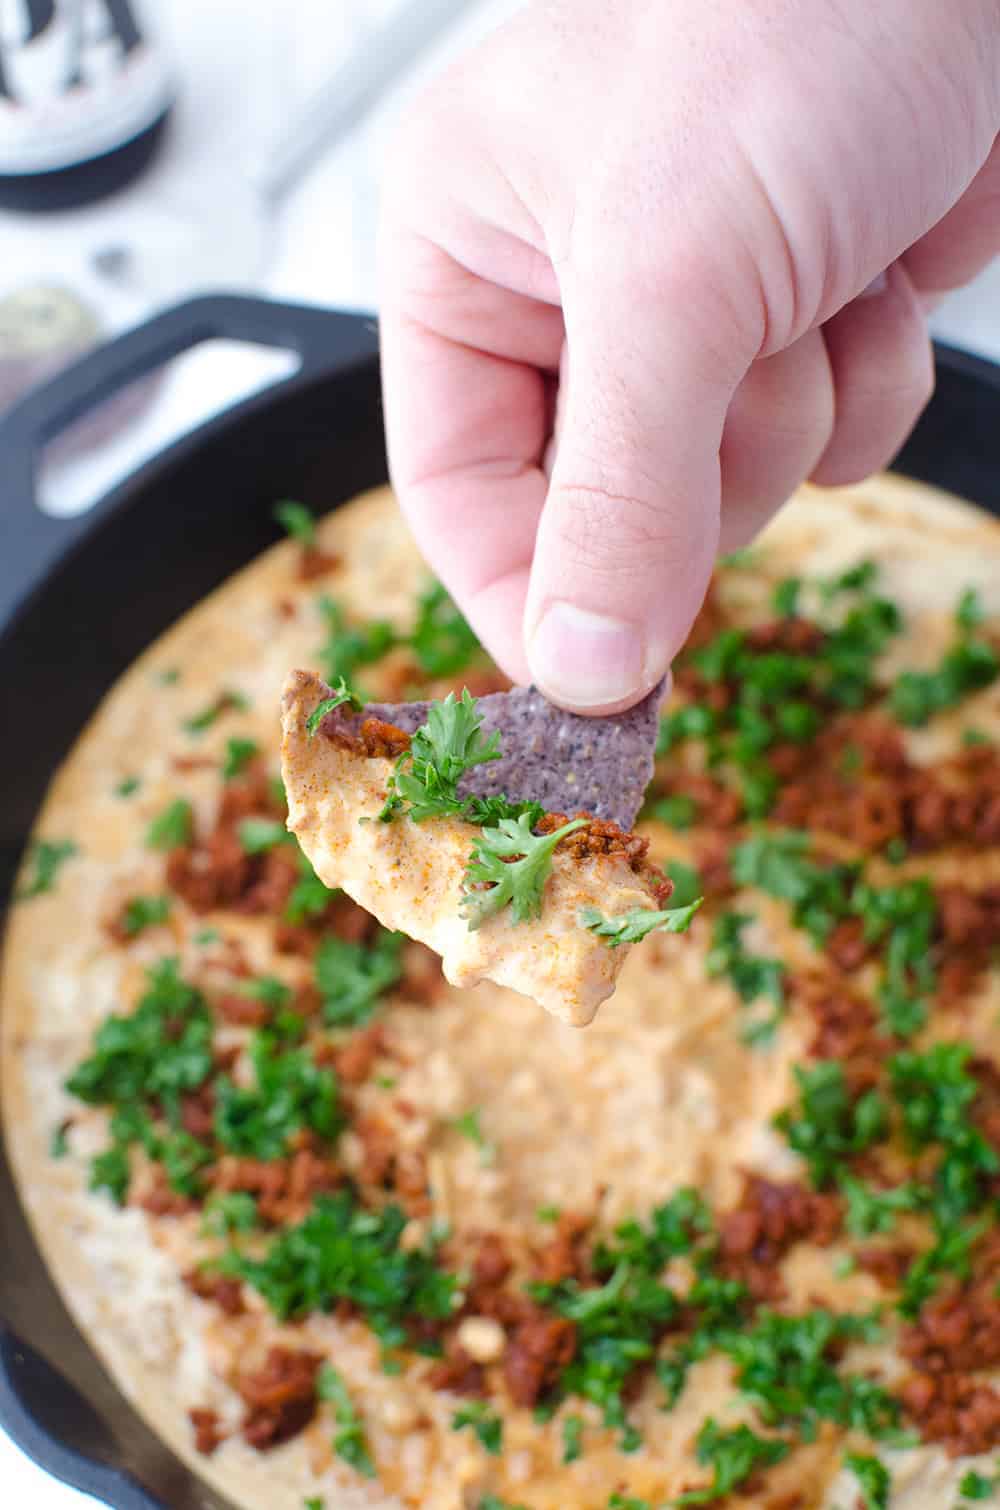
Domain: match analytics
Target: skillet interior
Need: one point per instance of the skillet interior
(179, 528)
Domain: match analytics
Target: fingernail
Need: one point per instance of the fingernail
(585, 659)
(876, 287)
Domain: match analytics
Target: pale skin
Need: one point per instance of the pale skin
(647, 265)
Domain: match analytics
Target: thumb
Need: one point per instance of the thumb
(630, 527)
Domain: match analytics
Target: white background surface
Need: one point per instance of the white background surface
(241, 63)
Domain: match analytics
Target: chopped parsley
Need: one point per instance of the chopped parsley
(687, 883)
(873, 1480)
(173, 828)
(169, 676)
(758, 788)
(719, 1306)
(128, 786)
(776, 696)
(787, 1366)
(442, 641)
(632, 926)
(902, 920)
(830, 1125)
(141, 1066)
(851, 760)
(487, 812)
(352, 976)
(340, 1251)
(968, 666)
(425, 781)
(477, 1417)
(785, 597)
(674, 1228)
(492, 1502)
(855, 579)
(183, 1158)
(266, 988)
(297, 521)
(349, 646)
(258, 835)
(349, 1442)
(976, 1486)
(468, 1124)
(693, 721)
(46, 858)
(310, 897)
(341, 694)
(852, 648)
(619, 1322)
(290, 1093)
(161, 1050)
(227, 701)
(779, 863)
(732, 1456)
(969, 611)
(111, 1171)
(285, 1023)
(950, 1254)
(899, 919)
(902, 1013)
(143, 912)
(59, 1141)
(513, 864)
(239, 753)
(935, 1092)
(869, 1210)
(752, 976)
(738, 559)
(229, 1211)
(676, 811)
(572, 1435)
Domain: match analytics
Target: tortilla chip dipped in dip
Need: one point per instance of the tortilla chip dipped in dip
(407, 821)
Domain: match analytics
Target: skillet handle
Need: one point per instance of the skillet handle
(32, 542)
(43, 1413)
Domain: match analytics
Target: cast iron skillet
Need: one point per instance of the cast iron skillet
(80, 598)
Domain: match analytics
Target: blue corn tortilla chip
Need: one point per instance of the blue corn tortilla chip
(567, 763)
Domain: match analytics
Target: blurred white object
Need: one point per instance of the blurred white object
(181, 251)
(79, 80)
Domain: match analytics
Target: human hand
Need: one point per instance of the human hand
(695, 241)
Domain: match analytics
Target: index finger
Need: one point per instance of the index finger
(466, 366)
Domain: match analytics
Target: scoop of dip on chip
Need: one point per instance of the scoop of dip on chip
(449, 821)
